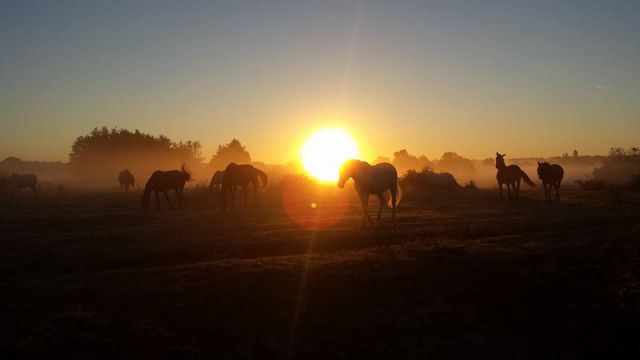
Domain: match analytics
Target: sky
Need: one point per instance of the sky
(526, 78)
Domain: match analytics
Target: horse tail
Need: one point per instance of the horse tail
(526, 179)
(263, 178)
(398, 196)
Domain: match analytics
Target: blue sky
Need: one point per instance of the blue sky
(529, 78)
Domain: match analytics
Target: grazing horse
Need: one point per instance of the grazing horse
(126, 180)
(15, 182)
(216, 181)
(240, 175)
(372, 180)
(436, 181)
(551, 176)
(511, 176)
(163, 181)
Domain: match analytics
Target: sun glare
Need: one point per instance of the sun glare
(324, 152)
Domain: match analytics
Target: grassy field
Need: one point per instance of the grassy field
(89, 275)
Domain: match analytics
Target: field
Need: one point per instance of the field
(89, 275)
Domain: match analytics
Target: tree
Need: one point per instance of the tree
(403, 161)
(103, 152)
(234, 151)
(459, 166)
(381, 159)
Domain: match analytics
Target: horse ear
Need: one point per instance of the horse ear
(497, 154)
(538, 162)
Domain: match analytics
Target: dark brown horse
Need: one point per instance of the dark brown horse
(240, 175)
(551, 176)
(15, 182)
(163, 181)
(510, 175)
(216, 181)
(126, 180)
(372, 180)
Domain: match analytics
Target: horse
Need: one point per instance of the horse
(591, 185)
(15, 182)
(240, 175)
(436, 181)
(126, 179)
(511, 176)
(216, 181)
(551, 176)
(372, 180)
(163, 181)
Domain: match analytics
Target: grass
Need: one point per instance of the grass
(88, 275)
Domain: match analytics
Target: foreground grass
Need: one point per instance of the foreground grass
(89, 275)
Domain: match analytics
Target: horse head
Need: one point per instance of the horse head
(500, 159)
(347, 170)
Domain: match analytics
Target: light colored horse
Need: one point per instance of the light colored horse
(163, 181)
(511, 176)
(216, 181)
(372, 180)
(240, 175)
(126, 180)
(15, 182)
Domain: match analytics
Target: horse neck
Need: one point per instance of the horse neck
(501, 165)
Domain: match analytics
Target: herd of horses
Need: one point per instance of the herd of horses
(377, 180)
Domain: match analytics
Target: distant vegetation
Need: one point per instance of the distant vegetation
(622, 167)
(101, 154)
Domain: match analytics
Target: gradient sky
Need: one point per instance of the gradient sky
(529, 78)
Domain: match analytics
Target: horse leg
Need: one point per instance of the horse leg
(178, 192)
(557, 191)
(381, 198)
(245, 194)
(516, 189)
(509, 192)
(166, 196)
(394, 198)
(501, 196)
(364, 200)
(157, 200)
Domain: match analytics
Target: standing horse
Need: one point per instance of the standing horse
(216, 181)
(163, 181)
(126, 180)
(240, 175)
(15, 182)
(372, 180)
(551, 176)
(511, 176)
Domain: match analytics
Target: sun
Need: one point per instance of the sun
(325, 151)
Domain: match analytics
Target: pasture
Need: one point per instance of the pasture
(89, 275)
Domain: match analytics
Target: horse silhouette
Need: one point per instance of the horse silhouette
(372, 180)
(15, 182)
(510, 175)
(126, 180)
(591, 185)
(163, 181)
(240, 175)
(216, 181)
(551, 176)
(433, 181)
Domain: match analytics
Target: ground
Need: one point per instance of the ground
(89, 275)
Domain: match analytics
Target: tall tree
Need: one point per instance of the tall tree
(233, 151)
